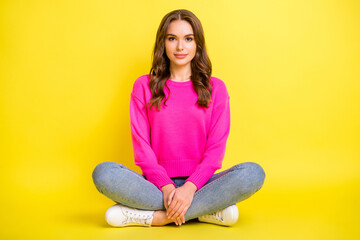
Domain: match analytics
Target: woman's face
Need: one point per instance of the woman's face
(180, 44)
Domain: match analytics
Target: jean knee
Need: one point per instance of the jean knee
(101, 171)
(255, 173)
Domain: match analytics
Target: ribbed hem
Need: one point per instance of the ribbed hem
(180, 168)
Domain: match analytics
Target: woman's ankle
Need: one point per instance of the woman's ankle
(160, 218)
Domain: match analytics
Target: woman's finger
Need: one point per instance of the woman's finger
(182, 215)
(171, 195)
(173, 210)
(182, 219)
(179, 221)
(176, 221)
(179, 211)
(167, 199)
(170, 202)
(170, 207)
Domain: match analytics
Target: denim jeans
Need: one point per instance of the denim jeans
(223, 189)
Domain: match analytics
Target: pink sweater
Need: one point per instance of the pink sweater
(181, 139)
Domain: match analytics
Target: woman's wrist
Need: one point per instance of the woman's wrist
(191, 186)
(168, 187)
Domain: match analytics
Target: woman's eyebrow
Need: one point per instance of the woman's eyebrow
(170, 34)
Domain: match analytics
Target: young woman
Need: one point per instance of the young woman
(180, 122)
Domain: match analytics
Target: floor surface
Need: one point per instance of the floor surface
(310, 212)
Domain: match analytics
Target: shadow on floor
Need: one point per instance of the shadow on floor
(98, 220)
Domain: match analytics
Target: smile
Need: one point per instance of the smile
(180, 55)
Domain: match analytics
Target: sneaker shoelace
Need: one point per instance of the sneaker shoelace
(136, 218)
(216, 216)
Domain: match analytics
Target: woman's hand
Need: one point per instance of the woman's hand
(168, 194)
(167, 191)
(181, 201)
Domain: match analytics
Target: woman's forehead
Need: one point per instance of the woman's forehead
(179, 27)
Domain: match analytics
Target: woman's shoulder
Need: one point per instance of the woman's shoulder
(219, 87)
(216, 80)
(142, 80)
(141, 86)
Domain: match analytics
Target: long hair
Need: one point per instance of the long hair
(201, 67)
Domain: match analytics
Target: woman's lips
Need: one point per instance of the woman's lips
(180, 55)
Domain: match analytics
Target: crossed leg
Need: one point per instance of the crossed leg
(223, 189)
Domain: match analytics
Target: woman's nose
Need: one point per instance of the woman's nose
(180, 45)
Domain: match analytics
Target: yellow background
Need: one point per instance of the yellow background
(292, 72)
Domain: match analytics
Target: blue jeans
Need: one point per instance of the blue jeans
(223, 189)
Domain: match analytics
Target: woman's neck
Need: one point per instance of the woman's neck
(180, 73)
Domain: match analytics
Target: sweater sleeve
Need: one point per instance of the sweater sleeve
(215, 145)
(144, 156)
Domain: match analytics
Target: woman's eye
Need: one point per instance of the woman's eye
(187, 39)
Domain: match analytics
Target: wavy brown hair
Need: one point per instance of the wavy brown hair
(201, 67)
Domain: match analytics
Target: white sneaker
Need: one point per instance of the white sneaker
(227, 216)
(121, 216)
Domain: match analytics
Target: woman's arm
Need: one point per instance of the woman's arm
(144, 156)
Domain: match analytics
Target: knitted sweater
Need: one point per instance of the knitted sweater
(181, 139)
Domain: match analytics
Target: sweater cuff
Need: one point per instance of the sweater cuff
(199, 179)
(160, 180)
